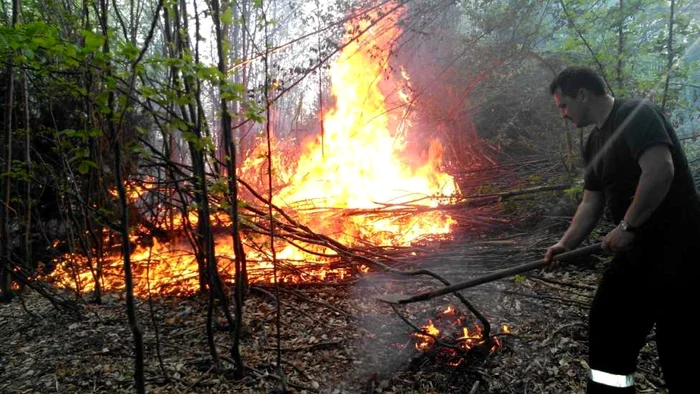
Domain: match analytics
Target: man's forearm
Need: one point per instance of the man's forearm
(585, 219)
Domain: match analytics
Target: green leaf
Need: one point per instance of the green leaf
(208, 73)
(93, 41)
(86, 166)
(148, 92)
(227, 16)
(129, 50)
(82, 153)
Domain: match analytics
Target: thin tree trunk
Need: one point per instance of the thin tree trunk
(243, 127)
(320, 78)
(5, 248)
(200, 176)
(237, 53)
(245, 80)
(669, 66)
(93, 190)
(124, 222)
(273, 255)
(201, 186)
(239, 258)
(173, 40)
(28, 168)
(620, 45)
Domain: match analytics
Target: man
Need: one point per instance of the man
(637, 170)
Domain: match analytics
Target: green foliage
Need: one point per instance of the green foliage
(93, 41)
(644, 54)
(253, 115)
(208, 73)
(198, 143)
(17, 172)
(219, 188)
(128, 50)
(227, 16)
(85, 166)
(231, 91)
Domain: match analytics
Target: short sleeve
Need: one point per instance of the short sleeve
(643, 127)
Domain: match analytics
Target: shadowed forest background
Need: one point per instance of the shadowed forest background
(202, 196)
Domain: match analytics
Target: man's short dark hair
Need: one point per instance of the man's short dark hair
(571, 79)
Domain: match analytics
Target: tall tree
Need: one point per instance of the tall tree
(670, 54)
(112, 117)
(620, 45)
(6, 266)
(230, 149)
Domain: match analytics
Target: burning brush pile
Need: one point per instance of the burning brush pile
(350, 191)
(350, 199)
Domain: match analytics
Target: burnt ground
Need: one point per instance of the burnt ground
(335, 337)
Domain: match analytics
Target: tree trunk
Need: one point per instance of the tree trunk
(6, 293)
(28, 169)
(273, 254)
(95, 186)
(620, 45)
(239, 258)
(174, 43)
(669, 66)
(124, 221)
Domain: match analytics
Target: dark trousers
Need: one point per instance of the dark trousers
(631, 298)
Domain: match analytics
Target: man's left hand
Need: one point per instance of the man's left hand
(617, 241)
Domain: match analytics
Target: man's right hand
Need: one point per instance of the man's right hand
(554, 250)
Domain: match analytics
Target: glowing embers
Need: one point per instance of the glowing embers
(448, 337)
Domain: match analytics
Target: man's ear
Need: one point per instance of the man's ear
(583, 94)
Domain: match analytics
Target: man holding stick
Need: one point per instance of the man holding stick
(638, 171)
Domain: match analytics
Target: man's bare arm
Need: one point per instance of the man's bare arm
(657, 174)
(585, 219)
(587, 216)
(654, 182)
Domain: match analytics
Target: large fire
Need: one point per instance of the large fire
(357, 165)
(358, 162)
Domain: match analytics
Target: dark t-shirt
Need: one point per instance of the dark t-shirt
(611, 155)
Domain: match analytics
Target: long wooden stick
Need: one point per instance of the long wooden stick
(563, 257)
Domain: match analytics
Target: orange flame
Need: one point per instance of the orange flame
(450, 330)
(358, 166)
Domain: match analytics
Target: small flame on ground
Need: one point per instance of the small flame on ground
(450, 330)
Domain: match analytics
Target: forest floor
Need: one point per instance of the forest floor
(334, 337)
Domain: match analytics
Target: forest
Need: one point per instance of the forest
(214, 195)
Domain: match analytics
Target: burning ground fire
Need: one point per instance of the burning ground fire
(449, 327)
(358, 165)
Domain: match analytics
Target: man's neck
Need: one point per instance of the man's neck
(601, 109)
